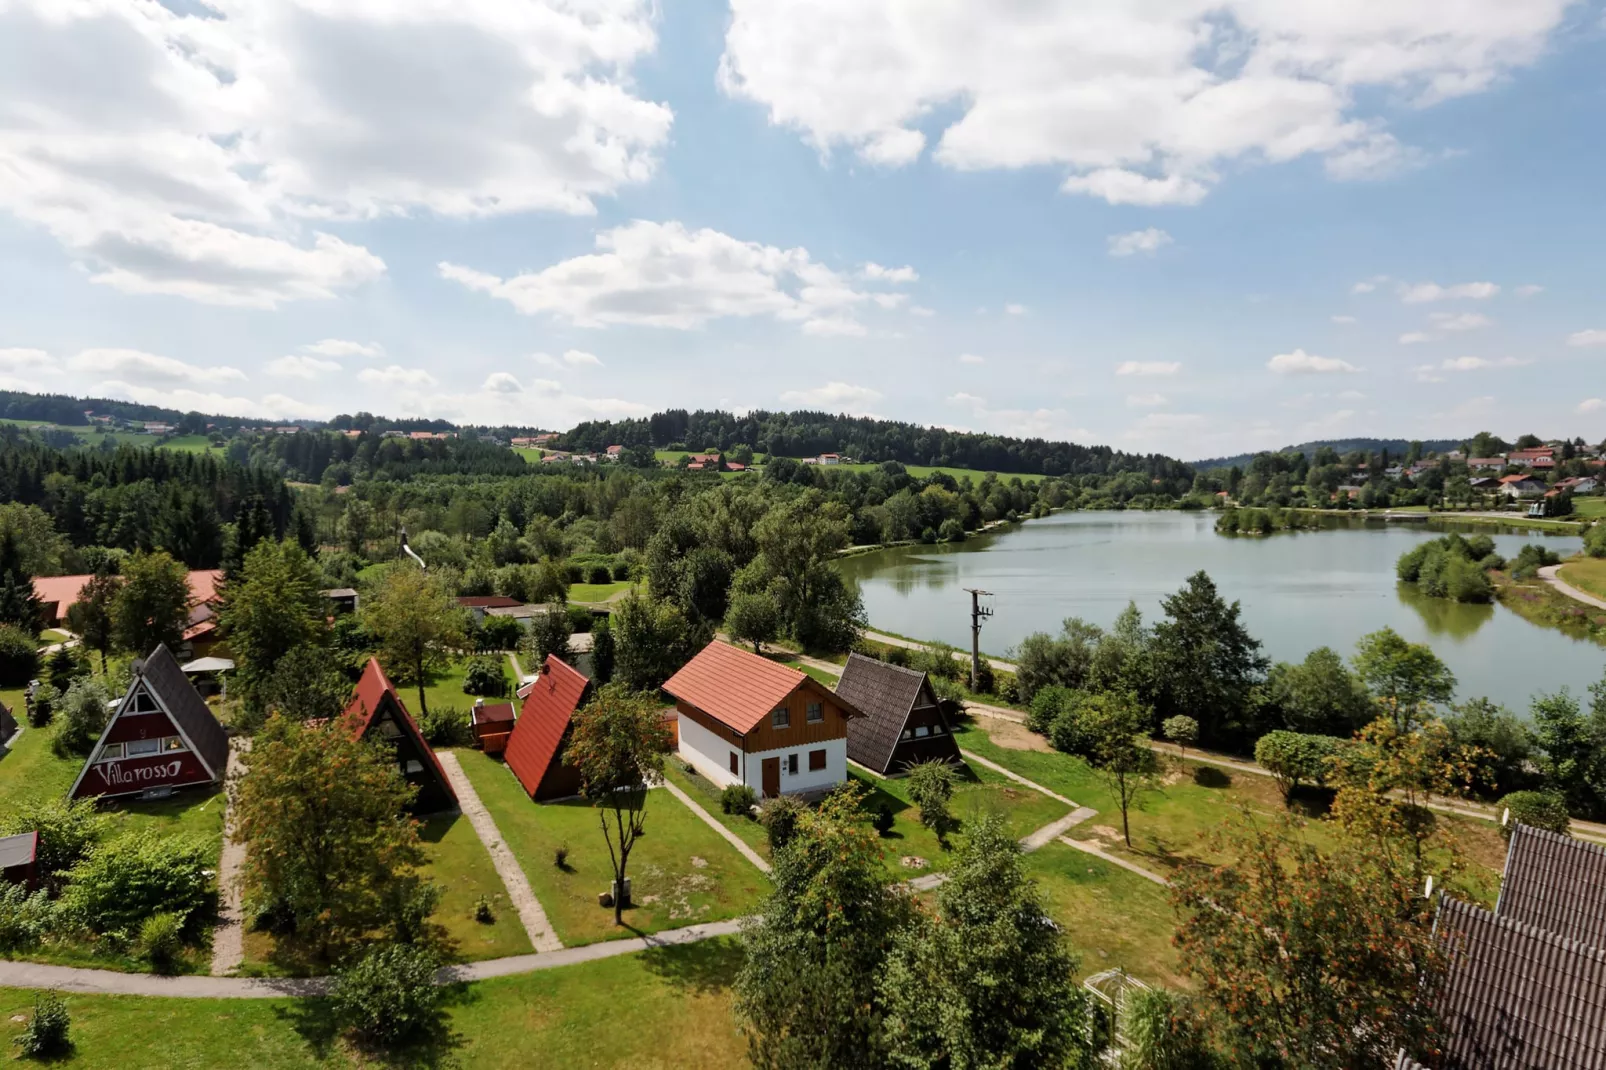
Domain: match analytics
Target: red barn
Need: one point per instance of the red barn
(535, 750)
(376, 712)
(161, 737)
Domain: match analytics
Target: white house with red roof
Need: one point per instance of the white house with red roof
(744, 719)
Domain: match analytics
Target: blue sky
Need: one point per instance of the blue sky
(1171, 226)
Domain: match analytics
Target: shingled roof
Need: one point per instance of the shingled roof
(1555, 883)
(885, 693)
(1516, 997)
(188, 710)
(732, 686)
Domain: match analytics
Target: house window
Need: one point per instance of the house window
(791, 765)
(390, 729)
(816, 713)
(172, 743)
(816, 760)
(781, 718)
(922, 732)
(908, 733)
(111, 752)
(141, 747)
(733, 762)
(413, 766)
(936, 729)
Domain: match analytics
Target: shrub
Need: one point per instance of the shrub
(42, 706)
(602, 651)
(161, 937)
(581, 620)
(1293, 758)
(498, 633)
(952, 530)
(64, 667)
(484, 677)
(445, 726)
(599, 574)
(882, 818)
(67, 829)
(931, 786)
(986, 680)
(1595, 539)
(1537, 809)
(737, 799)
(621, 572)
(46, 1035)
(1161, 1033)
(1008, 690)
(560, 856)
(780, 817)
(80, 717)
(1047, 705)
(1530, 559)
(483, 913)
(19, 658)
(124, 881)
(24, 919)
(389, 995)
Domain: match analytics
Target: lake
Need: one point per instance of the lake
(1299, 591)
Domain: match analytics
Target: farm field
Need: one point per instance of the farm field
(681, 871)
(678, 1003)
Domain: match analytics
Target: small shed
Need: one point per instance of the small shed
(162, 736)
(903, 722)
(376, 712)
(535, 749)
(17, 857)
(492, 723)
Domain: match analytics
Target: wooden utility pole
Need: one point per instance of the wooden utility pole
(978, 613)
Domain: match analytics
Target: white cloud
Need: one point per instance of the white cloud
(663, 275)
(1411, 338)
(1460, 321)
(889, 301)
(149, 368)
(1591, 405)
(571, 358)
(921, 310)
(270, 406)
(23, 360)
(339, 347)
(397, 376)
(1343, 321)
(1528, 290)
(1300, 362)
(971, 358)
(1592, 337)
(1014, 310)
(834, 397)
(1423, 292)
(502, 383)
(1366, 286)
(1046, 423)
(1148, 369)
(1474, 364)
(1145, 401)
(1138, 241)
(876, 273)
(199, 155)
(302, 367)
(1139, 103)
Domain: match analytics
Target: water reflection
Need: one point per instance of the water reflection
(1443, 617)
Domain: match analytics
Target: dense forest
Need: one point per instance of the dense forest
(69, 411)
(805, 434)
(336, 459)
(1395, 447)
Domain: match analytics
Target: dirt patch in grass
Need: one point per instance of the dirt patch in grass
(1012, 735)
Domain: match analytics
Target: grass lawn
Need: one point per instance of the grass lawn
(980, 791)
(446, 690)
(597, 592)
(681, 871)
(52, 635)
(665, 1008)
(1586, 574)
(707, 795)
(460, 865)
(188, 444)
(1589, 508)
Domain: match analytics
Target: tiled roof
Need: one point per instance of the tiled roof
(734, 687)
(492, 712)
(188, 709)
(543, 721)
(1555, 883)
(371, 694)
(64, 590)
(885, 694)
(1515, 997)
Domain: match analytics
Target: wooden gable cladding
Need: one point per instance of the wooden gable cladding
(765, 736)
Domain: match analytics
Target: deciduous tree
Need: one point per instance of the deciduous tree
(753, 617)
(1203, 662)
(153, 604)
(90, 618)
(1119, 752)
(1408, 676)
(418, 624)
(272, 606)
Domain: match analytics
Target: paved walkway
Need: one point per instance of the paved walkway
(712, 822)
(1550, 576)
(570, 956)
(534, 919)
(228, 936)
(1016, 777)
(910, 644)
(1115, 860)
(1048, 833)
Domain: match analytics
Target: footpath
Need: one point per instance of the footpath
(1550, 574)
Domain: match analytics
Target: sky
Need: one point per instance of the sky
(1160, 225)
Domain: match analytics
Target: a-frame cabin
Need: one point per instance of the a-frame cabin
(903, 722)
(161, 737)
(376, 712)
(535, 750)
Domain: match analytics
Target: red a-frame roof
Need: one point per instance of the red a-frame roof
(543, 722)
(373, 691)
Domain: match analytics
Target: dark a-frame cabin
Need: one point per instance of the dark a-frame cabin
(376, 712)
(903, 722)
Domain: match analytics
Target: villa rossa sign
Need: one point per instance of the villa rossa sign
(137, 774)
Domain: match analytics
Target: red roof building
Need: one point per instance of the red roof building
(535, 750)
(492, 724)
(57, 594)
(743, 719)
(376, 712)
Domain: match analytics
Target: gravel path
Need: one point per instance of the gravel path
(910, 644)
(228, 937)
(1048, 833)
(534, 919)
(1549, 575)
(712, 822)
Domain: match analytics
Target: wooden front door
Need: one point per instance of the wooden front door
(772, 777)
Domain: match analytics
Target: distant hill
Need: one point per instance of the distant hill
(1395, 446)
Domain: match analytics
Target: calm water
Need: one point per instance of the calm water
(1299, 591)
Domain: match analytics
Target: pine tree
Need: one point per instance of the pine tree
(19, 605)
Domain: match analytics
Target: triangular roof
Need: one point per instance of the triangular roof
(886, 694)
(734, 687)
(544, 720)
(160, 677)
(1556, 883)
(374, 694)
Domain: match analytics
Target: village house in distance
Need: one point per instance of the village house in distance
(743, 719)
(161, 737)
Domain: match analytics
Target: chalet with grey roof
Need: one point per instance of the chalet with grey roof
(903, 722)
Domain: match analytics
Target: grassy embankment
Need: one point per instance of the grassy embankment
(1588, 574)
(1539, 602)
